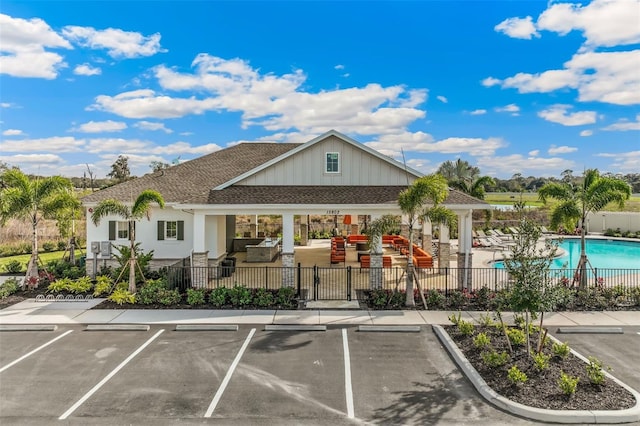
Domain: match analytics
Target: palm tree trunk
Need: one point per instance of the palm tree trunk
(32, 266)
(132, 259)
(410, 300)
(583, 255)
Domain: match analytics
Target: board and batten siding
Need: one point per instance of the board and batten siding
(307, 167)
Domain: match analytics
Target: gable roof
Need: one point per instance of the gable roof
(308, 145)
(196, 177)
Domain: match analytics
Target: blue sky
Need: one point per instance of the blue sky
(528, 87)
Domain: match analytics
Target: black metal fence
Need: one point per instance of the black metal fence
(349, 283)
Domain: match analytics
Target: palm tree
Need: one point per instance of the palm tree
(576, 201)
(427, 189)
(460, 170)
(141, 208)
(34, 199)
(474, 187)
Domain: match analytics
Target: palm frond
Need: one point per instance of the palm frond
(142, 204)
(110, 207)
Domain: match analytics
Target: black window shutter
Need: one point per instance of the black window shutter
(161, 230)
(181, 230)
(112, 230)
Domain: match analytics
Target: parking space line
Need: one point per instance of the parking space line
(34, 351)
(108, 377)
(227, 378)
(347, 375)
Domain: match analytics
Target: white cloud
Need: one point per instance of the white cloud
(518, 28)
(23, 48)
(512, 108)
(21, 159)
(101, 126)
(534, 153)
(555, 150)
(558, 114)
(602, 22)
(185, 148)
(624, 162)
(491, 81)
(442, 99)
(273, 102)
(5, 105)
(52, 144)
(339, 67)
(118, 43)
(586, 133)
(392, 144)
(610, 77)
(478, 112)
(118, 145)
(147, 125)
(624, 125)
(86, 69)
(517, 163)
(12, 132)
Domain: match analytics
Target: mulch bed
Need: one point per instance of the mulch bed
(541, 390)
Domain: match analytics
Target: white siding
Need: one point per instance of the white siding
(357, 167)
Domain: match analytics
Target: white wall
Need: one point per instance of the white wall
(601, 221)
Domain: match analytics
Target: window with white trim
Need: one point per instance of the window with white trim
(122, 230)
(171, 230)
(332, 163)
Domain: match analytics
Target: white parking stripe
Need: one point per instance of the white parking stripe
(34, 351)
(227, 378)
(347, 375)
(109, 376)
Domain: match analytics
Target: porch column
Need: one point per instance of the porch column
(199, 255)
(427, 238)
(287, 256)
(464, 250)
(304, 229)
(444, 247)
(375, 269)
(253, 225)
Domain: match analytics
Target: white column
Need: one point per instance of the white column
(198, 232)
(287, 233)
(467, 231)
(253, 225)
(427, 237)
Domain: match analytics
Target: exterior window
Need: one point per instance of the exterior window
(123, 230)
(333, 162)
(171, 230)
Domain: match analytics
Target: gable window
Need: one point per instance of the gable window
(171, 230)
(332, 162)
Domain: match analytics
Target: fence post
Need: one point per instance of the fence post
(595, 273)
(446, 281)
(316, 281)
(349, 283)
(299, 280)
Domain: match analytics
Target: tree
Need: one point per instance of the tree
(120, 169)
(91, 176)
(34, 199)
(156, 166)
(442, 216)
(141, 208)
(590, 194)
(475, 187)
(427, 189)
(460, 170)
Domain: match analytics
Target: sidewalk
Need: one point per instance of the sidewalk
(32, 312)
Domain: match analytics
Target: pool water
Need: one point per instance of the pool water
(602, 254)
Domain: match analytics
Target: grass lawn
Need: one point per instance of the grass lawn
(24, 259)
(531, 198)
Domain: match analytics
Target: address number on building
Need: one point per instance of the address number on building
(333, 211)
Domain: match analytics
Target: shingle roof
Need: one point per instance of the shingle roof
(333, 195)
(196, 177)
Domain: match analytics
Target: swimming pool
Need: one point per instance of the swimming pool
(602, 253)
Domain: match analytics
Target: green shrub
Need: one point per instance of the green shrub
(13, 267)
(263, 298)
(103, 285)
(516, 376)
(481, 341)
(516, 336)
(561, 350)
(435, 299)
(195, 296)
(48, 246)
(9, 287)
(457, 299)
(568, 384)
(486, 320)
(240, 296)
(286, 297)
(378, 298)
(81, 285)
(594, 371)
(541, 361)
(62, 245)
(151, 291)
(169, 297)
(455, 319)
(219, 297)
(122, 296)
(466, 327)
(60, 285)
(635, 295)
(495, 359)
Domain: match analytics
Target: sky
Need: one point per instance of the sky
(529, 87)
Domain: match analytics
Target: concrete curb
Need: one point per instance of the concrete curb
(117, 327)
(553, 416)
(590, 330)
(28, 327)
(206, 327)
(294, 327)
(391, 328)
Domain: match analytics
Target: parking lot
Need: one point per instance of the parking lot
(340, 376)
